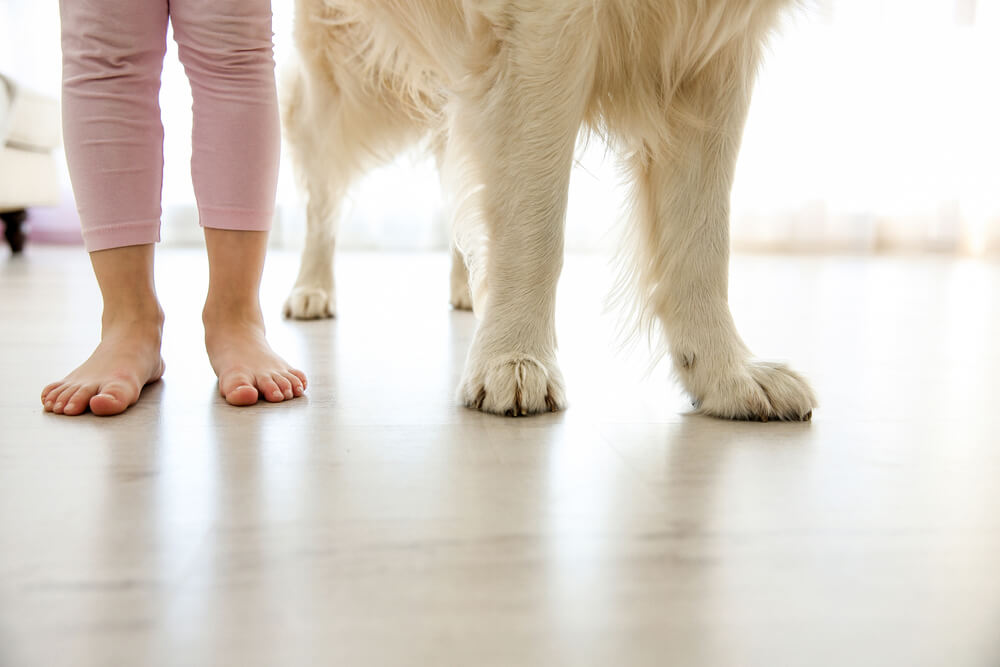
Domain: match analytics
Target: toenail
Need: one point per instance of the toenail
(57, 406)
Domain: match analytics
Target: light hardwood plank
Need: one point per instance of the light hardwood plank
(377, 522)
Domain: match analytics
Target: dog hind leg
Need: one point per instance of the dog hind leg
(338, 127)
(461, 297)
(454, 185)
(682, 247)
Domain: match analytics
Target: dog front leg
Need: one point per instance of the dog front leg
(521, 124)
(682, 200)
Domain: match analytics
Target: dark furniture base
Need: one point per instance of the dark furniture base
(13, 228)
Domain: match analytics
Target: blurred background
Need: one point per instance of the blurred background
(873, 129)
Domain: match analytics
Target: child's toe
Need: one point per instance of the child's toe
(49, 388)
(60, 401)
(301, 376)
(78, 402)
(114, 397)
(238, 388)
(244, 394)
(284, 384)
(269, 389)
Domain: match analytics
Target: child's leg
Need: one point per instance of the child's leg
(234, 326)
(225, 47)
(128, 355)
(112, 57)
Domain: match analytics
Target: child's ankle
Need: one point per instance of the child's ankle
(138, 316)
(225, 313)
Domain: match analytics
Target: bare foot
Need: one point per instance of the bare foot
(126, 359)
(246, 365)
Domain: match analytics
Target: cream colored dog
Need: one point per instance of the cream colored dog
(503, 87)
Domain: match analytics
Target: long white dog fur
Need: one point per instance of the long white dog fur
(502, 88)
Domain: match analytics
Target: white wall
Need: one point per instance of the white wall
(873, 126)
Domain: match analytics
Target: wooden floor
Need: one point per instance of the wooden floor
(376, 522)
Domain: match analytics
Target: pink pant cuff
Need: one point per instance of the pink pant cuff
(121, 235)
(236, 219)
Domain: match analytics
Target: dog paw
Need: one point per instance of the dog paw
(760, 391)
(310, 303)
(461, 298)
(513, 385)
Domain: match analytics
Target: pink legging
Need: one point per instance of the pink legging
(112, 59)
